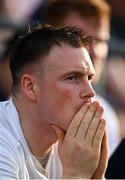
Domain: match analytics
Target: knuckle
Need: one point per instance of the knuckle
(78, 146)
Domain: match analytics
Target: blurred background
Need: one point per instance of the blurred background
(17, 14)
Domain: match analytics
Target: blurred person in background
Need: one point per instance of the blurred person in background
(117, 31)
(116, 61)
(115, 83)
(14, 15)
(18, 12)
(94, 17)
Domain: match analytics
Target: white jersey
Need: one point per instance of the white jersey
(16, 160)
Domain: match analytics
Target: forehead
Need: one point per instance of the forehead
(66, 58)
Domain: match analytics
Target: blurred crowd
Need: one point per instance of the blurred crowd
(109, 33)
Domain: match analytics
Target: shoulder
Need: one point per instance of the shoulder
(12, 160)
(8, 144)
(10, 154)
(3, 109)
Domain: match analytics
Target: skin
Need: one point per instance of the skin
(84, 137)
(56, 98)
(98, 50)
(69, 90)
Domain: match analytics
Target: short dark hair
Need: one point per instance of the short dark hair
(36, 44)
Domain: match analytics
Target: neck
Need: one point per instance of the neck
(38, 134)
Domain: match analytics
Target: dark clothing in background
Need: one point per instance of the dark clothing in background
(116, 165)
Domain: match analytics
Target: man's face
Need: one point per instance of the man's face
(65, 84)
(99, 49)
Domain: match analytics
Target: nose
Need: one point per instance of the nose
(87, 91)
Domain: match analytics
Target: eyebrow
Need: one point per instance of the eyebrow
(78, 72)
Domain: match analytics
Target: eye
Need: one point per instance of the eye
(74, 77)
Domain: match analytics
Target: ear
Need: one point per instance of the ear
(29, 87)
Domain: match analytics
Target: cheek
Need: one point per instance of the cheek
(66, 95)
(63, 99)
(66, 105)
(60, 104)
(63, 102)
(57, 98)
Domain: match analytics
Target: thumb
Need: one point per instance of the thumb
(60, 133)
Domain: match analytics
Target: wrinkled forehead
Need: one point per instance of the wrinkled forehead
(68, 57)
(87, 62)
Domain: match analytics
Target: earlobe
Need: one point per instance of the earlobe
(28, 86)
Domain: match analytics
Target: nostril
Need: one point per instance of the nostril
(88, 93)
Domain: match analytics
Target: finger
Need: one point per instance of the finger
(104, 147)
(90, 134)
(74, 125)
(60, 133)
(99, 134)
(86, 120)
(103, 160)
